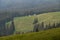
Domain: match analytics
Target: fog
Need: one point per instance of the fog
(4, 4)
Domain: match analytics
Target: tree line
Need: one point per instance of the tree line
(6, 29)
(41, 26)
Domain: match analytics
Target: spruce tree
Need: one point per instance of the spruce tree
(12, 27)
(53, 25)
(35, 21)
(36, 25)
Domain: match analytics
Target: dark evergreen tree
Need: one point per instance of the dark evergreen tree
(37, 30)
(58, 24)
(12, 27)
(42, 24)
(46, 27)
(49, 26)
(7, 29)
(54, 25)
(36, 25)
(35, 21)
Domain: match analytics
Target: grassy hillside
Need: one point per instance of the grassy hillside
(52, 34)
(25, 24)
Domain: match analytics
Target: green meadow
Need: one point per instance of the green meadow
(51, 34)
(25, 24)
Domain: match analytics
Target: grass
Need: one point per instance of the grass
(25, 24)
(51, 34)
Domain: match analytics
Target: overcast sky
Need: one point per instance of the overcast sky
(21, 3)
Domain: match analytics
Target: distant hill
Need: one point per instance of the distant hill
(13, 8)
(25, 24)
(35, 6)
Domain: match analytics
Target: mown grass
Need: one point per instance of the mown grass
(51, 34)
(25, 24)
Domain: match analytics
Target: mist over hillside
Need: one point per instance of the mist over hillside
(25, 4)
(11, 9)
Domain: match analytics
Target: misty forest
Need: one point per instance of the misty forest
(28, 16)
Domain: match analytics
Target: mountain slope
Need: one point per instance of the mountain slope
(52, 34)
(25, 24)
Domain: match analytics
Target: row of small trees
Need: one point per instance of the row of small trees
(42, 26)
(10, 30)
(6, 29)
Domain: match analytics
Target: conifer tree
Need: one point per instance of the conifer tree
(54, 25)
(36, 25)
